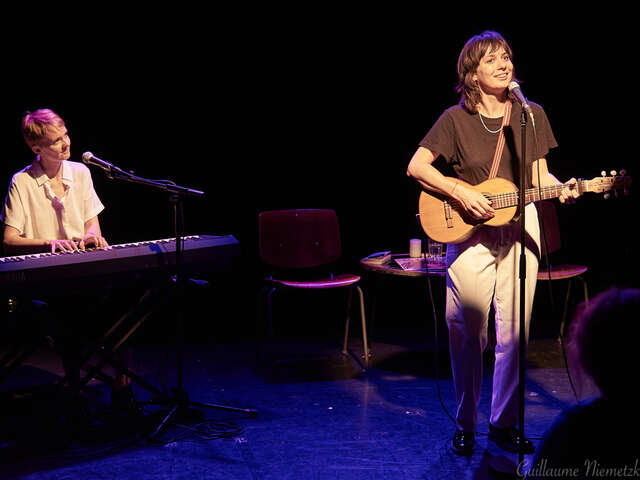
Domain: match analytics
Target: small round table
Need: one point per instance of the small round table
(392, 268)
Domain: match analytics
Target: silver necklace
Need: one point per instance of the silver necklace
(485, 127)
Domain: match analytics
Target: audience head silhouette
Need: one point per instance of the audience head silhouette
(605, 336)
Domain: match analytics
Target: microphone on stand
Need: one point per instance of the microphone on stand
(90, 158)
(117, 172)
(514, 89)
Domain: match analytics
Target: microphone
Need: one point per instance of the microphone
(90, 158)
(514, 88)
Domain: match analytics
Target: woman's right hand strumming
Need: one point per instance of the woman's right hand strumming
(421, 169)
(474, 202)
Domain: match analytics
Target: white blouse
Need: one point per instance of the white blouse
(32, 208)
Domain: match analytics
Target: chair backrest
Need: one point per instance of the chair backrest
(549, 226)
(295, 239)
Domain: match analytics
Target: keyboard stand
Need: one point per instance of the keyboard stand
(109, 344)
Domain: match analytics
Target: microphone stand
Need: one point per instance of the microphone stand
(179, 403)
(523, 277)
(501, 465)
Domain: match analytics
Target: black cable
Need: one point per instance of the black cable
(436, 363)
(543, 237)
(436, 352)
(435, 317)
(206, 430)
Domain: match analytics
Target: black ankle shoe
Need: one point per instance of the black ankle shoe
(463, 442)
(509, 439)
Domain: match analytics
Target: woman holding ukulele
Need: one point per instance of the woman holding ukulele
(479, 138)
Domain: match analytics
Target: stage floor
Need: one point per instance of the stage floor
(319, 416)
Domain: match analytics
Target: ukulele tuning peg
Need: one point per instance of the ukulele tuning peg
(607, 196)
(613, 173)
(623, 172)
(603, 173)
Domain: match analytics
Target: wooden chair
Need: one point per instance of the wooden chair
(301, 248)
(550, 227)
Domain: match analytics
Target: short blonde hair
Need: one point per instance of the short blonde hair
(35, 125)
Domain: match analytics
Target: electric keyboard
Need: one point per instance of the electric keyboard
(200, 254)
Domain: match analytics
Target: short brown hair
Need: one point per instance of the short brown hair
(36, 124)
(468, 61)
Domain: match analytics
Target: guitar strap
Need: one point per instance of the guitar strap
(501, 140)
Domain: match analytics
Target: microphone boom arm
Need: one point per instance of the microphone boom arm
(171, 188)
(116, 173)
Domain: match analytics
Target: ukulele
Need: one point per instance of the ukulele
(446, 221)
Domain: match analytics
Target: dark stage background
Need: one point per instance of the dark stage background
(312, 109)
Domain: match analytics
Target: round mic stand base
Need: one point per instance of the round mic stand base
(177, 401)
(181, 412)
(179, 404)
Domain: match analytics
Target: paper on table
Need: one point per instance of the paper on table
(418, 264)
(379, 258)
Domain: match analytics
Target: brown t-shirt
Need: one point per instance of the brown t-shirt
(468, 147)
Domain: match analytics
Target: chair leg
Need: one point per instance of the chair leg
(373, 302)
(264, 327)
(345, 348)
(260, 312)
(348, 321)
(586, 292)
(270, 311)
(566, 301)
(566, 308)
(365, 342)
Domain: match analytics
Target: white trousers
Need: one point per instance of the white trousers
(483, 269)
